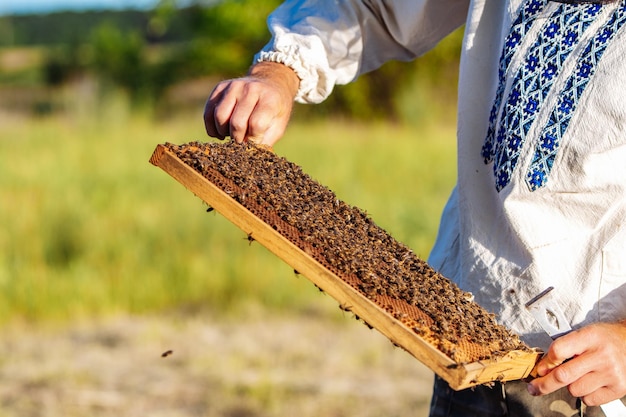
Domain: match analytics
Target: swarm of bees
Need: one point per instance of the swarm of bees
(345, 240)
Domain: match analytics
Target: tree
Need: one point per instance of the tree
(119, 57)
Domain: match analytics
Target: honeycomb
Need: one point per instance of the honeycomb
(347, 242)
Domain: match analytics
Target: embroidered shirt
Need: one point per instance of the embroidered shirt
(541, 193)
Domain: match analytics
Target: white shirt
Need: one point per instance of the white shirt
(541, 192)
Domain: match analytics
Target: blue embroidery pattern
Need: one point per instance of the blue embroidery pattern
(520, 27)
(533, 81)
(510, 120)
(568, 99)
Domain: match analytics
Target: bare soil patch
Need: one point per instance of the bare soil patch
(181, 366)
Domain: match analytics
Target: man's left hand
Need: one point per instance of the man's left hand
(590, 362)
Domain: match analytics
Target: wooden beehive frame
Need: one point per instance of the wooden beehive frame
(510, 366)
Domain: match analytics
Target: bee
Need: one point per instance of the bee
(345, 307)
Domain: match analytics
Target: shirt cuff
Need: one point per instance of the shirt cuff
(315, 84)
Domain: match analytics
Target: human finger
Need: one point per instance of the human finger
(562, 349)
(588, 385)
(601, 396)
(219, 107)
(597, 361)
(560, 376)
(270, 118)
(553, 370)
(273, 134)
(243, 117)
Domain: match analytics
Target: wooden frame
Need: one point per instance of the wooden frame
(510, 366)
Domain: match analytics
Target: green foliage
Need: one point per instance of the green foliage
(225, 37)
(382, 94)
(120, 57)
(145, 53)
(60, 28)
(61, 63)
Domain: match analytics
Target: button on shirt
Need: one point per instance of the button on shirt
(541, 193)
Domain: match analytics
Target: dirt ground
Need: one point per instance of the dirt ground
(174, 366)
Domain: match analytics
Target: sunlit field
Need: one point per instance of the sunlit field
(90, 228)
(120, 295)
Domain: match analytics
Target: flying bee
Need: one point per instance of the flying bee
(345, 307)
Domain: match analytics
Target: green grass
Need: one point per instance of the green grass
(88, 227)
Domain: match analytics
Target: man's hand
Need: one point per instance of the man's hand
(596, 369)
(256, 107)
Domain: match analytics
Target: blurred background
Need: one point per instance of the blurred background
(119, 294)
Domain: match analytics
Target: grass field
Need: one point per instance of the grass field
(106, 262)
(90, 228)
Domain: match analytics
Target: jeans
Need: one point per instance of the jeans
(510, 399)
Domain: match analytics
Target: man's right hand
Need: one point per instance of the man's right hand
(256, 107)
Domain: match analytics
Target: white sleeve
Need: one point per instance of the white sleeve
(329, 42)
